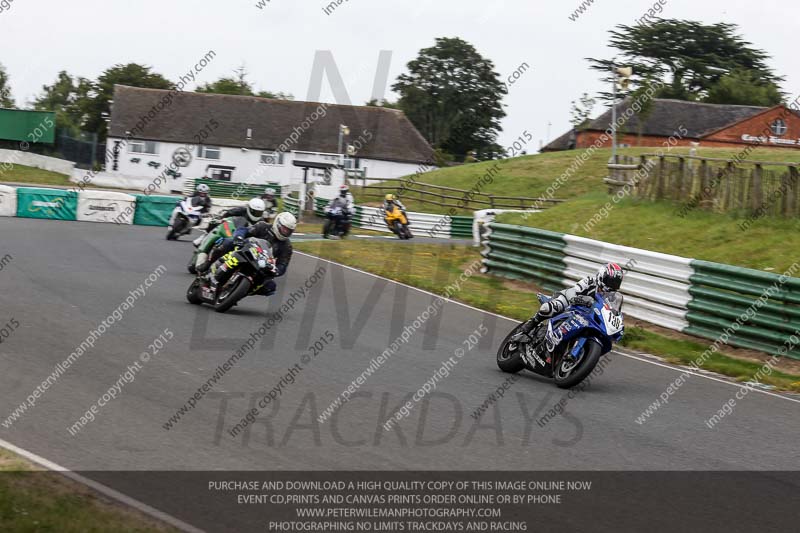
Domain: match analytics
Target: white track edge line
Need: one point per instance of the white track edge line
(731, 383)
(102, 489)
(629, 356)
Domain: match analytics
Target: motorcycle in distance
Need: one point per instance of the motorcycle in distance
(252, 264)
(567, 347)
(186, 217)
(335, 224)
(223, 230)
(398, 223)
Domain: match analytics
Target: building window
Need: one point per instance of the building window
(143, 147)
(352, 163)
(208, 152)
(779, 127)
(272, 158)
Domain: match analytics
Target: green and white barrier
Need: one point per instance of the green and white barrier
(53, 204)
(721, 294)
(106, 206)
(745, 308)
(8, 201)
(228, 189)
(292, 205)
(422, 224)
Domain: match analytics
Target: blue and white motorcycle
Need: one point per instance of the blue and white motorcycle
(186, 215)
(568, 346)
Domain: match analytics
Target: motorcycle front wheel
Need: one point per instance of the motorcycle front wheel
(229, 295)
(193, 293)
(569, 372)
(398, 229)
(508, 359)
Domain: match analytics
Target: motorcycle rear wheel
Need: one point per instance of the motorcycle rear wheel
(568, 374)
(507, 360)
(227, 298)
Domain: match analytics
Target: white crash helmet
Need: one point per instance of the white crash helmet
(284, 225)
(255, 209)
(203, 188)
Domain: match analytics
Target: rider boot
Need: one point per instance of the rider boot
(201, 263)
(218, 274)
(524, 333)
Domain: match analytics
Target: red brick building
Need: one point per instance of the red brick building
(681, 123)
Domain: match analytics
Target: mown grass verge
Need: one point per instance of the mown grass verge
(35, 500)
(771, 244)
(34, 176)
(531, 175)
(432, 267)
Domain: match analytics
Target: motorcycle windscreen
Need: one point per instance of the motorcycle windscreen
(611, 312)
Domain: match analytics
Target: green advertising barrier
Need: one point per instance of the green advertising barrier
(53, 204)
(154, 210)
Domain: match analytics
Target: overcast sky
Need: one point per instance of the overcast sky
(277, 44)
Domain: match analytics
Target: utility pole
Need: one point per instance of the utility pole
(343, 130)
(614, 120)
(623, 76)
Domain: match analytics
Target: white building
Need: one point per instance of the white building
(180, 135)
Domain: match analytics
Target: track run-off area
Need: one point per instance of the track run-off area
(185, 379)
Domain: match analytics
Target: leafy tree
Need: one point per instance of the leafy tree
(96, 100)
(240, 85)
(276, 96)
(227, 86)
(581, 111)
(382, 103)
(64, 97)
(744, 88)
(453, 96)
(689, 57)
(5, 89)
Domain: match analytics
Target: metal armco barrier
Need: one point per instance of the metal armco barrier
(696, 297)
(528, 254)
(721, 294)
(461, 227)
(422, 224)
(292, 205)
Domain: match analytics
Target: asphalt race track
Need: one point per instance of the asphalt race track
(65, 278)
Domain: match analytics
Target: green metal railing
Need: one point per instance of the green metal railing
(759, 310)
(226, 189)
(528, 254)
(461, 227)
